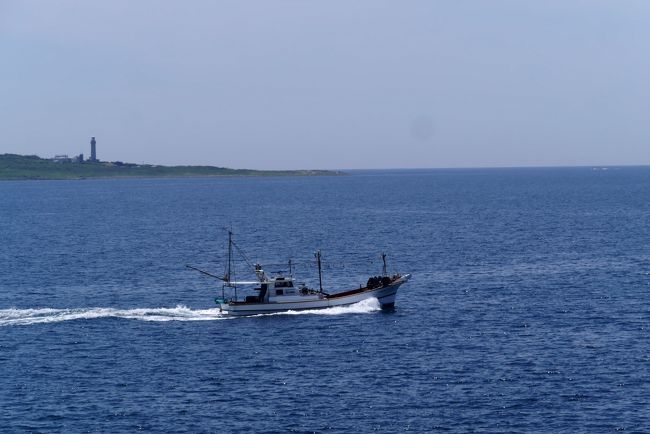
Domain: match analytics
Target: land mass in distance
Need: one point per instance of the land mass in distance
(17, 167)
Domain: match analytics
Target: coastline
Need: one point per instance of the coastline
(15, 167)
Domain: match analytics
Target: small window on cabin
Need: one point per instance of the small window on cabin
(279, 291)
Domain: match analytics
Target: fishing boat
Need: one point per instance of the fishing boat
(280, 292)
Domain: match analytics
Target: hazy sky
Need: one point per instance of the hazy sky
(328, 84)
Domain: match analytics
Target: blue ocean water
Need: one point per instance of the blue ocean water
(528, 310)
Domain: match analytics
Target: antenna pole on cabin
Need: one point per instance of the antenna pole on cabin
(229, 263)
(383, 258)
(320, 274)
(290, 270)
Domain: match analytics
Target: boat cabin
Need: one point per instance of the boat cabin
(280, 289)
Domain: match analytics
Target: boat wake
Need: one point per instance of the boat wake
(16, 317)
(45, 315)
(365, 306)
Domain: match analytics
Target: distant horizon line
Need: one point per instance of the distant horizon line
(563, 166)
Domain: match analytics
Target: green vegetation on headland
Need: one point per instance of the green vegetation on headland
(15, 167)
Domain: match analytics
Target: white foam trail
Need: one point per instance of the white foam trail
(364, 306)
(10, 317)
(46, 315)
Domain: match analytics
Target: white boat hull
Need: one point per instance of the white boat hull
(385, 295)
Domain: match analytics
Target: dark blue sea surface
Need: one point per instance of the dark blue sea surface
(528, 310)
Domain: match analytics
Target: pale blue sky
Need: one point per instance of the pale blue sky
(328, 84)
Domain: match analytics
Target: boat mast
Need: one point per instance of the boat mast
(229, 269)
(320, 273)
(383, 258)
(230, 264)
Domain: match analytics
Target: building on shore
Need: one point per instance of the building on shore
(61, 158)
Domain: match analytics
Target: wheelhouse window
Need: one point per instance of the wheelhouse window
(279, 291)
